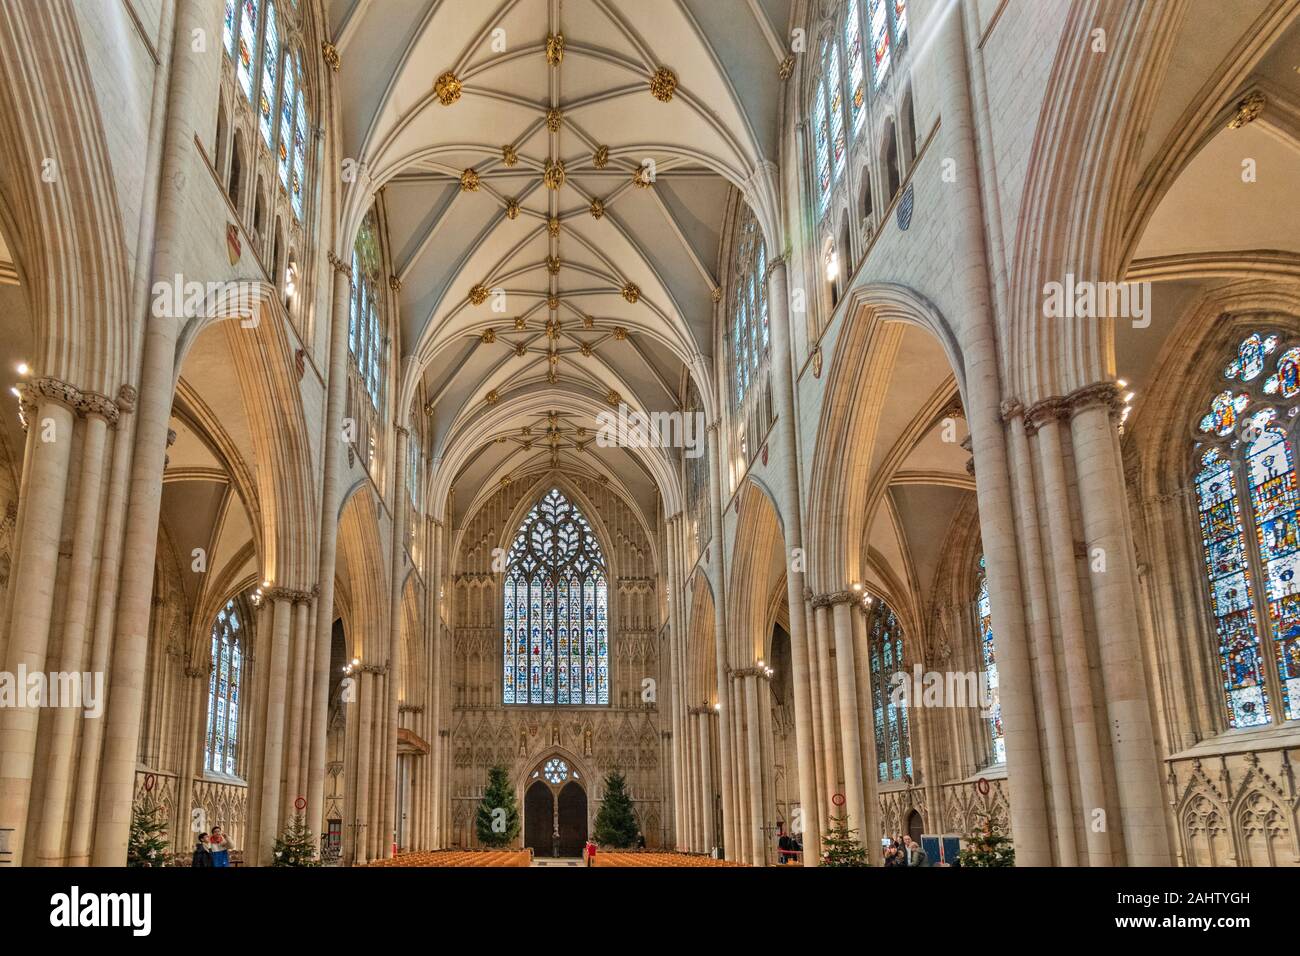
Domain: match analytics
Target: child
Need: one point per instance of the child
(202, 852)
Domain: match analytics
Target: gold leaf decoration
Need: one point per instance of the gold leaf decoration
(631, 292)
(478, 294)
(717, 293)
(395, 283)
(1248, 110)
(597, 209)
(469, 180)
(786, 69)
(553, 225)
(620, 333)
(509, 155)
(492, 397)
(520, 349)
(553, 302)
(447, 87)
(331, 54)
(600, 157)
(554, 117)
(512, 208)
(489, 336)
(553, 328)
(553, 177)
(553, 265)
(520, 324)
(663, 84)
(588, 322)
(643, 177)
(555, 49)
(586, 349)
(613, 398)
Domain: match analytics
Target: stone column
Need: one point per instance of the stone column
(675, 688)
(99, 413)
(188, 99)
(979, 345)
(787, 455)
(293, 715)
(872, 828)
(287, 604)
(336, 394)
(1103, 504)
(850, 737)
(1045, 419)
(50, 406)
(826, 684)
(706, 775)
(401, 507)
(814, 688)
(726, 767)
(758, 852)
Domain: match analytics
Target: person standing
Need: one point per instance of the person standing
(220, 846)
(915, 855)
(202, 856)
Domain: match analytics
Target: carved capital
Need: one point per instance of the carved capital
(52, 390)
(126, 397)
(340, 265)
(1105, 394)
(92, 403)
(1048, 410)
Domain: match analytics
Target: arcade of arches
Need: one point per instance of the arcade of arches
(877, 410)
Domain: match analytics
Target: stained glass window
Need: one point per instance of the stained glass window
(989, 655)
(221, 747)
(822, 149)
(749, 319)
(228, 28)
(247, 47)
(270, 64)
(893, 735)
(1246, 498)
(364, 341)
(299, 149)
(878, 27)
(835, 103)
(285, 135)
(556, 623)
(556, 771)
(853, 56)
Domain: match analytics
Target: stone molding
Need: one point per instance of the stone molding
(832, 598)
(340, 265)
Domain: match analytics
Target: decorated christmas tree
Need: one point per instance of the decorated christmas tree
(296, 846)
(616, 824)
(497, 821)
(840, 846)
(147, 844)
(988, 847)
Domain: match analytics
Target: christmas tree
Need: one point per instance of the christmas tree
(616, 824)
(497, 822)
(988, 847)
(296, 846)
(840, 847)
(147, 844)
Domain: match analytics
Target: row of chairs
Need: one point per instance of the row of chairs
(459, 858)
(656, 858)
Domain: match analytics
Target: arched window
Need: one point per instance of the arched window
(749, 316)
(277, 87)
(994, 713)
(556, 641)
(1244, 462)
(853, 60)
(893, 743)
(221, 748)
(364, 341)
(887, 27)
(828, 117)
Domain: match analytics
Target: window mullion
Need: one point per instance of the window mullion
(1258, 575)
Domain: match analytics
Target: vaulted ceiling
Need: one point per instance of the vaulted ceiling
(554, 212)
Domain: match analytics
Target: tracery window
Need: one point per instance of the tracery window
(828, 118)
(749, 317)
(887, 27)
(989, 656)
(269, 73)
(365, 344)
(221, 747)
(556, 621)
(893, 741)
(1246, 496)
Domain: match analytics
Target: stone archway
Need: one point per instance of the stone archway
(555, 809)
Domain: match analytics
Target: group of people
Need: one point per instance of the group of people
(211, 849)
(906, 852)
(788, 848)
